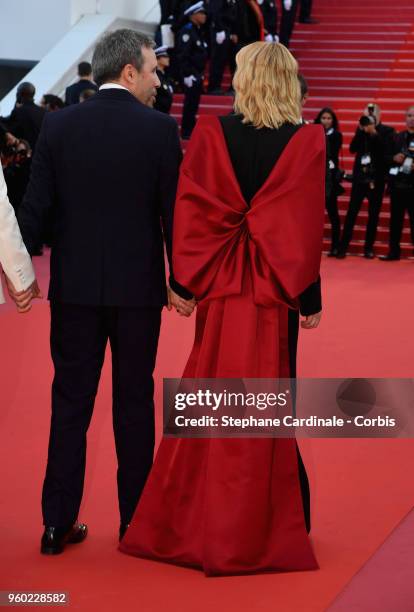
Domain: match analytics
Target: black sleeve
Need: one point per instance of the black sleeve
(184, 46)
(216, 11)
(310, 300)
(168, 180)
(336, 147)
(357, 142)
(388, 147)
(40, 194)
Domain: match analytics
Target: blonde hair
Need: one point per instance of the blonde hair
(267, 89)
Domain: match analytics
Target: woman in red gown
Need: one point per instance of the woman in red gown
(247, 242)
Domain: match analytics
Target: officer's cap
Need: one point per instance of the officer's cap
(161, 51)
(198, 7)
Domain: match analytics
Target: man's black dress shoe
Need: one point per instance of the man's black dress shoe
(54, 539)
(341, 255)
(333, 253)
(122, 530)
(369, 255)
(389, 257)
(308, 20)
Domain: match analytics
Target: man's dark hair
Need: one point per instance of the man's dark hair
(53, 102)
(115, 50)
(86, 94)
(303, 86)
(84, 69)
(25, 92)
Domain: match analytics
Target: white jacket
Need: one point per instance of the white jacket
(14, 257)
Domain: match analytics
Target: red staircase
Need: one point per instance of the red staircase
(360, 52)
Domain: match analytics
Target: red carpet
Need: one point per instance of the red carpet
(361, 488)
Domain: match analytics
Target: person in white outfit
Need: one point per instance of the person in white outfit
(14, 259)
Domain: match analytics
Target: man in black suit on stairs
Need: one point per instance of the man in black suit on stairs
(112, 203)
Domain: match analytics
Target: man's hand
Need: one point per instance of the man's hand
(23, 299)
(370, 129)
(311, 321)
(183, 307)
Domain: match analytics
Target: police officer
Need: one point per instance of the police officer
(287, 22)
(224, 40)
(305, 12)
(192, 53)
(371, 145)
(165, 91)
(269, 12)
(402, 186)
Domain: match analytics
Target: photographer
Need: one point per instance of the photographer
(334, 139)
(371, 144)
(401, 186)
(26, 118)
(15, 158)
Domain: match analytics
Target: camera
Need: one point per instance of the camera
(366, 120)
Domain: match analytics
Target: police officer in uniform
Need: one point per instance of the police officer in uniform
(224, 41)
(192, 54)
(287, 22)
(165, 91)
(269, 12)
(402, 186)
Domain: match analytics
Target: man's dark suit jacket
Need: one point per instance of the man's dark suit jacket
(107, 169)
(26, 121)
(74, 91)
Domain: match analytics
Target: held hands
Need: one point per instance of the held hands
(311, 321)
(183, 307)
(23, 299)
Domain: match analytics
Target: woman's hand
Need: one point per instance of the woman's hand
(311, 321)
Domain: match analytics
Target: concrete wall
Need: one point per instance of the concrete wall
(30, 28)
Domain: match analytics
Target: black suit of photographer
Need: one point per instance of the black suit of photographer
(402, 194)
(333, 148)
(368, 181)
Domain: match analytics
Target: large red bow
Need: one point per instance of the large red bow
(216, 234)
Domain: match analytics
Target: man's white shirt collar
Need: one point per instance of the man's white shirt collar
(112, 86)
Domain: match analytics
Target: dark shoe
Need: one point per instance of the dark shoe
(369, 255)
(389, 257)
(122, 529)
(333, 253)
(308, 20)
(216, 92)
(54, 539)
(341, 255)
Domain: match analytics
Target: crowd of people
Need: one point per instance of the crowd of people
(383, 158)
(197, 35)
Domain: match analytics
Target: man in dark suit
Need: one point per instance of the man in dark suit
(27, 117)
(74, 91)
(112, 203)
